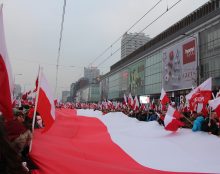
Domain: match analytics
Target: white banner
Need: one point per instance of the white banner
(144, 99)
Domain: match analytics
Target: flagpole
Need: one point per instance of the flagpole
(35, 106)
(36, 101)
(210, 112)
(187, 119)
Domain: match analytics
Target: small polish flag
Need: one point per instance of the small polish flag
(171, 120)
(164, 99)
(136, 104)
(215, 105)
(130, 100)
(125, 99)
(45, 104)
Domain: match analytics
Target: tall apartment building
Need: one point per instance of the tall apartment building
(17, 90)
(65, 95)
(132, 41)
(91, 73)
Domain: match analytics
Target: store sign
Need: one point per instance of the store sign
(189, 53)
(180, 66)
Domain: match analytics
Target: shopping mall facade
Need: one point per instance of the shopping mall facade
(179, 58)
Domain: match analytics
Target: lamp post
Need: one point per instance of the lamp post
(14, 83)
(197, 55)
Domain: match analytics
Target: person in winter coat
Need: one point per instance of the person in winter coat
(197, 124)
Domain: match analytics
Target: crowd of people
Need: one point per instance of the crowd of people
(15, 140)
(196, 121)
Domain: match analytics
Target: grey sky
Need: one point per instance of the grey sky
(32, 33)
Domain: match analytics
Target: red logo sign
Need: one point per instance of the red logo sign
(189, 52)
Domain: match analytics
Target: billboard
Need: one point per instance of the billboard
(136, 78)
(180, 66)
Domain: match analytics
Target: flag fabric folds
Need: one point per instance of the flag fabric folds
(45, 104)
(130, 100)
(36, 85)
(215, 105)
(164, 99)
(6, 81)
(125, 100)
(86, 142)
(136, 104)
(171, 120)
(198, 98)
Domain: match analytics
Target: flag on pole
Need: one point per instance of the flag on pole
(6, 81)
(171, 120)
(164, 99)
(45, 104)
(143, 107)
(130, 100)
(199, 97)
(125, 99)
(136, 104)
(36, 85)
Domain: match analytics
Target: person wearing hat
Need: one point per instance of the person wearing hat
(18, 134)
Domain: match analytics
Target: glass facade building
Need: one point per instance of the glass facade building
(210, 54)
(153, 68)
(114, 82)
(193, 43)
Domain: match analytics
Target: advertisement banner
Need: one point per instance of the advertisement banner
(180, 66)
(136, 78)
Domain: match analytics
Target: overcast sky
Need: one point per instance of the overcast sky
(32, 30)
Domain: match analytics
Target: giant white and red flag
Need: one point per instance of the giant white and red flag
(114, 145)
(45, 102)
(200, 95)
(6, 80)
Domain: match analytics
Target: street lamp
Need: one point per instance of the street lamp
(197, 55)
(14, 84)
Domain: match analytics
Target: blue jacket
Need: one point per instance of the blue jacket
(198, 124)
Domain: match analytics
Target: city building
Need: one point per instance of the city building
(65, 95)
(91, 74)
(131, 42)
(72, 92)
(90, 93)
(72, 89)
(76, 87)
(179, 58)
